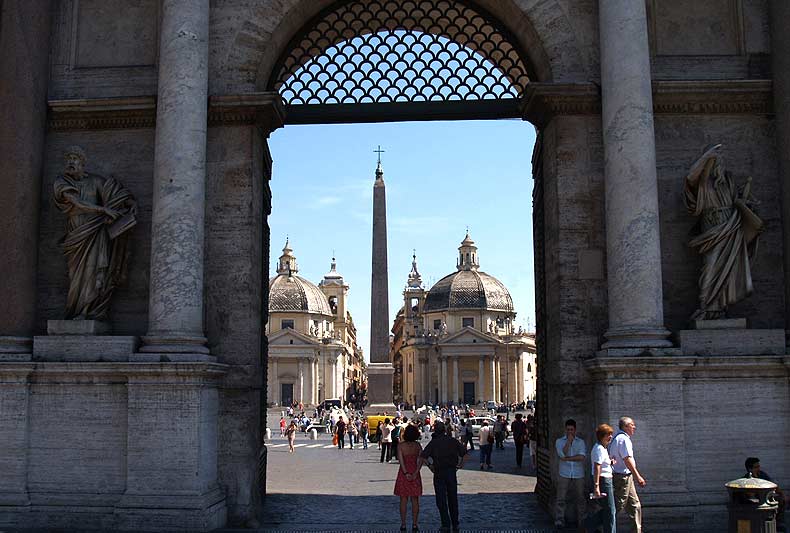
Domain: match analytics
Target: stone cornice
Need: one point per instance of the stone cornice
(256, 109)
(260, 109)
(543, 101)
(102, 113)
(661, 368)
(713, 97)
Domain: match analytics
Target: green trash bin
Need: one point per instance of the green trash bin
(752, 506)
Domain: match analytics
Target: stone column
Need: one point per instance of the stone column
(275, 394)
(780, 58)
(456, 392)
(24, 40)
(498, 380)
(444, 387)
(492, 380)
(315, 380)
(480, 392)
(300, 379)
(175, 308)
(633, 250)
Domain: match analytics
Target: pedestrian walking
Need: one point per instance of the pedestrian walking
(532, 437)
(282, 426)
(519, 430)
(571, 452)
(444, 456)
(467, 435)
(408, 484)
(352, 434)
(340, 431)
(386, 440)
(486, 441)
(603, 489)
(379, 433)
(499, 432)
(290, 434)
(395, 438)
(363, 433)
(625, 474)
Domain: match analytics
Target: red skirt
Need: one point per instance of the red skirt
(405, 487)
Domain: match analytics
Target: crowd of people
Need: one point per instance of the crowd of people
(613, 468)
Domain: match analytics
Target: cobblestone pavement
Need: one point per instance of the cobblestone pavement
(321, 488)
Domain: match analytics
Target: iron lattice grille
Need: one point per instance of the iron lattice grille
(386, 51)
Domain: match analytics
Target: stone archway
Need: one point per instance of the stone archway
(193, 74)
(325, 33)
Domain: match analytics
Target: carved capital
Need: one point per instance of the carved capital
(255, 109)
(543, 101)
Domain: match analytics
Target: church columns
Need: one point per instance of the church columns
(456, 392)
(492, 379)
(175, 309)
(480, 392)
(633, 251)
(276, 382)
(498, 380)
(443, 388)
(315, 400)
(23, 112)
(300, 381)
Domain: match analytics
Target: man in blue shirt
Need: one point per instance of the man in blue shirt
(571, 452)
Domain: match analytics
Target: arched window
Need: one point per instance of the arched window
(396, 51)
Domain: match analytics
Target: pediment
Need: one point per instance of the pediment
(469, 336)
(284, 337)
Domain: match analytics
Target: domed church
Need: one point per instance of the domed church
(313, 351)
(457, 343)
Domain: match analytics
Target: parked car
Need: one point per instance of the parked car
(477, 422)
(333, 402)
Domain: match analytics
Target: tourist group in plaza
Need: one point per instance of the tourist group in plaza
(449, 438)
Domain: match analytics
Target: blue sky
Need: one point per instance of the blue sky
(441, 177)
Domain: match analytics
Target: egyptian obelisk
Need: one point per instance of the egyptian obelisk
(380, 369)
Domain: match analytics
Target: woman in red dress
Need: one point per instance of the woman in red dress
(408, 485)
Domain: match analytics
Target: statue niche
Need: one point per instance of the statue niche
(100, 212)
(727, 233)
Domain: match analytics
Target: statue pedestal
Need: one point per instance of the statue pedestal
(380, 388)
(77, 327)
(83, 348)
(730, 337)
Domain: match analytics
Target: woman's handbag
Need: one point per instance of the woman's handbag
(334, 439)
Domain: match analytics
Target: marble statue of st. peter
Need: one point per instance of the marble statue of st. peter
(100, 212)
(728, 232)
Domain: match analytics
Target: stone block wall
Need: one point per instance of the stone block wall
(238, 170)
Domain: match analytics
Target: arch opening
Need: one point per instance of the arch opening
(382, 60)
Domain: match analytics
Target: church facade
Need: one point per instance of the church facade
(457, 343)
(313, 351)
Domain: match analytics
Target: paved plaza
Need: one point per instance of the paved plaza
(321, 488)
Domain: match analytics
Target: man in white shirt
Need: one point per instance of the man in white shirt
(625, 473)
(571, 451)
(386, 440)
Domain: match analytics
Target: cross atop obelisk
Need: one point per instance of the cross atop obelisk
(379, 151)
(380, 369)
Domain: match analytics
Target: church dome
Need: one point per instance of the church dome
(469, 287)
(291, 293)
